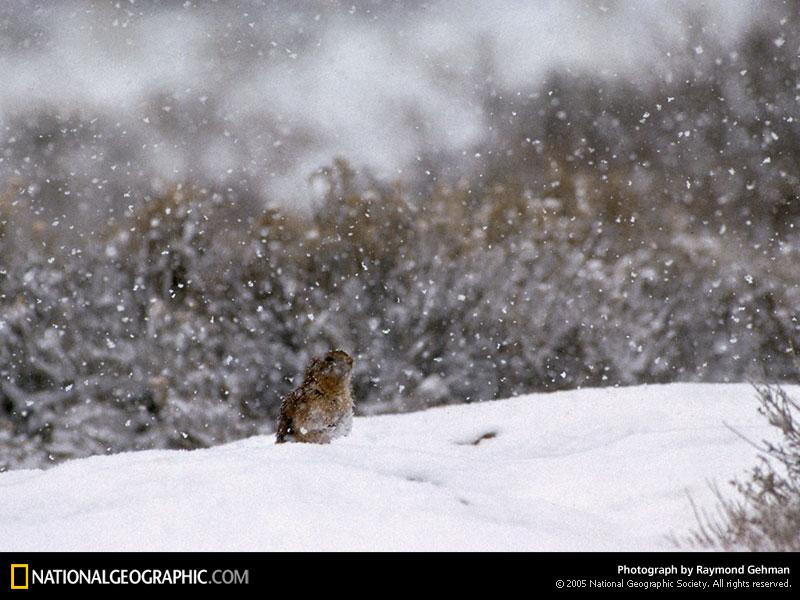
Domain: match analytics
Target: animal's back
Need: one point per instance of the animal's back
(285, 419)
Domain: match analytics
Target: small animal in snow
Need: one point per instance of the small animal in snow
(321, 409)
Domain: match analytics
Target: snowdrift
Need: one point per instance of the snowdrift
(604, 469)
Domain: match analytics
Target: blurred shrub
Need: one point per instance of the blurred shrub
(610, 235)
(764, 516)
(183, 323)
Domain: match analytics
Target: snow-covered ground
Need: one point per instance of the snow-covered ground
(585, 470)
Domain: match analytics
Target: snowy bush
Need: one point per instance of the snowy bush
(182, 324)
(765, 513)
(609, 234)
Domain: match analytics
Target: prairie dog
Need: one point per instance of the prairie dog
(321, 409)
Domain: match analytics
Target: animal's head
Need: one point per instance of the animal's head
(332, 370)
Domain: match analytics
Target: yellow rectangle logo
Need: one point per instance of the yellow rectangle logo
(16, 576)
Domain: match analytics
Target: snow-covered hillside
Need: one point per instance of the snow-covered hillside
(586, 470)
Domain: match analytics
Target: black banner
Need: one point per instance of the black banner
(562, 573)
